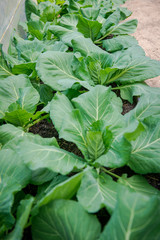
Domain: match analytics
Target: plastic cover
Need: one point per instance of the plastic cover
(11, 12)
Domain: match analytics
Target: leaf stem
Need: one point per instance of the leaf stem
(112, 174)
(36, 121)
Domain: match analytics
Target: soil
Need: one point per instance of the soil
(148, 14)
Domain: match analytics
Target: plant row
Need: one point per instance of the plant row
(75, 67)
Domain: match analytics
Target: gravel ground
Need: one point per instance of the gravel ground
(148, 32)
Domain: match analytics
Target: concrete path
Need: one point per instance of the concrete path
(148, 32)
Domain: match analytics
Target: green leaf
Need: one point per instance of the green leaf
(119, 43)
(30, 7)
(89, 28)
(46, 93)
(69, 21)
(11, 92)
(65, 219)
(22, 218)
(24, 68)
(65, 34)
(11, 135)
(18, 117)
(98, 104)
(139, 184)
(29, 50)
(145, 155)
(117, 155)
(55, 69)
(90, 12)
(95, 144)
(4, 69)
(55, 159)
(127, 27)
(133, 66)
(36, 28)
(147, 106)
(13, 179)
(56, 46)
(97, 191)
(85, 46)
(136, 89)
(135, 217)
(57, 113)
(63, 190)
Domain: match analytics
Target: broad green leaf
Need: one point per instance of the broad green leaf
(65, 34)
(57, 113)
(55, 69)
(22, 218)
(98, 104)
(69, 21)
(95, 144)
(10, 93)
(133, 66)
(46, 93)
(55, 159)
(136, 89)
(123, 28)
(147, 106)
(89, 28)
(135, 217)
(13, 179)
(36, 28)
(24, 68)
(41, 176)
(97, 191)
(64, 219)
(63, 190)
(18, 117)
(4, 69)
(28, 98)
(145, 155)
(85, 46)
(118, 43)
(56, 46)
(11, 135)
(117, 155)
(90, 12)
(29, 50)
(139, 184)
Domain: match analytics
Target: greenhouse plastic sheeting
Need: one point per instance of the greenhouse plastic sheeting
(11, 12)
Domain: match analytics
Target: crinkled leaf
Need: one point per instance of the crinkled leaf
(65, 219)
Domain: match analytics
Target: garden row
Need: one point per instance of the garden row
(75, 68)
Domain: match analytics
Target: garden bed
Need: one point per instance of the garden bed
(79, 128)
